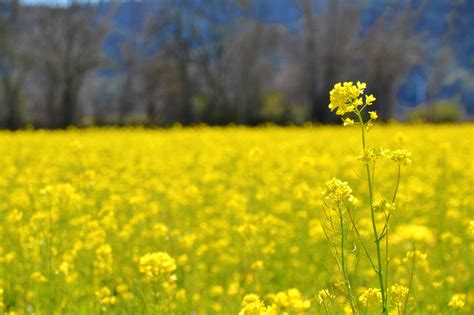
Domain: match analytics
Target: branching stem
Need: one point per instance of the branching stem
(374, 225)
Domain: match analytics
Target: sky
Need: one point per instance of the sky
(53, 2)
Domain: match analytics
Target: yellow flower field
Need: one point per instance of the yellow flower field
(209, 220)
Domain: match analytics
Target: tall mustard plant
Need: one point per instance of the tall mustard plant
(350, 102)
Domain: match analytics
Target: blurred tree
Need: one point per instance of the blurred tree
(172, 28)
(237, 59)
(131, 55)
(327, 40)
(68, 47)
(14, 64)
(443, 62)
(387, 51)
(208, 61)
(212, 101)
(250, 69)
(337, 47)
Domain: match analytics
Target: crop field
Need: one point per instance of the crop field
(211, 220)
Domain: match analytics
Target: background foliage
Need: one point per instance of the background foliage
(233, 61)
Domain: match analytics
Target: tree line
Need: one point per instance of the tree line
(191, 62)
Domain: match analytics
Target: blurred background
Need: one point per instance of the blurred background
(217, 62)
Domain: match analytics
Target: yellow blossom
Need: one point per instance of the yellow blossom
(371, 297)
(369, 99)
(344, 97)
(38, 276)
(398, 295)
(324, 296)
(348, 122)
(339, 191)
(155, 265)
(105, 296)
(458, 301)
(373, 115)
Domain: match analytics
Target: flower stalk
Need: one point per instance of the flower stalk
(377, 240)
(348, 98)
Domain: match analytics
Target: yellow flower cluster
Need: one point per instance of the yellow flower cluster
(105, 296)
(372, 154)
(339, 191)
(371, 297)
(103, 262)
(458, 301)
(252, 305)
(123, 290)
(156, 265)
(399, 295)
(346, 97)
(401, 156)
(287, 302)
(383, 206)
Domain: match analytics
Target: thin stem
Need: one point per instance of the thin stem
(398, 182)
(386, 260)
(410, 283)
(361, 241)
(343, 264)
(372, 214)
(326, 307)
(373, 174)
(388, 227)
(384, 229)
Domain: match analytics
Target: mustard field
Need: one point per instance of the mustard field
(230, 220)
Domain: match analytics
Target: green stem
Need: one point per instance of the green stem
(374, 225)
(398, 182)
(410, 283)
(387, 231)
(326, 307)
(386, 261)
(343, 264)
(362, 241)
